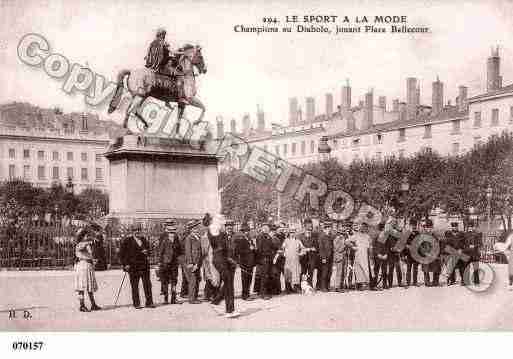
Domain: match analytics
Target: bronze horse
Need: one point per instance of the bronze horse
(176, 84)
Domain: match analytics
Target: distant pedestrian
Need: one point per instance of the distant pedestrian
(85, 279)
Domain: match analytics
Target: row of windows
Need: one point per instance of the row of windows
(55, 155)
(456, 129)
(293, 148)
(494, 117)
(55, 173)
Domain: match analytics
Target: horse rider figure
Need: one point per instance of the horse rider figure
(158, 53)
(185, 82)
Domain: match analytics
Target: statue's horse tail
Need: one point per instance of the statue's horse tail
(116, 99)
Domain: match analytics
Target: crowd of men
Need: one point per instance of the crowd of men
(352, 255)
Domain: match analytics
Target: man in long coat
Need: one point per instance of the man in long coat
(169, 251)
(245, 257)
(134, 256)
(265, 252)
(325, 256)
(412, 266)
(456, 240)
(473, 244)
(310, 259)
(192, 262)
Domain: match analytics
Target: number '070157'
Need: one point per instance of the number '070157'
(27, 345)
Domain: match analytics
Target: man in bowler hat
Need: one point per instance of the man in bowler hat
(134, 255)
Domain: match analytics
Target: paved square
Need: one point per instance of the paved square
(53, 305)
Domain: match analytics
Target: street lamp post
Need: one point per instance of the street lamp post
(489, 193)
(405, 187)
(324, 151)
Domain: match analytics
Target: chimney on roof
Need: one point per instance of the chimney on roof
(369, 110)
(345, 102)
(411, 97)
(260, 118)
(395, 105)
(383, 102)
(403, 111)
(493, 72)
(84, 126)
(233, 126)
(462, 99)
(220, 127)
(246, 124)
(293, 111)
(310, 109)
(437, 97)
(329, 105)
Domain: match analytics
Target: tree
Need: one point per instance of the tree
(92, 204)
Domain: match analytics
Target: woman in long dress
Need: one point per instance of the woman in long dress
(507, 249)
(85, 280)
(292, 250)
(361, 241)
(210, 273)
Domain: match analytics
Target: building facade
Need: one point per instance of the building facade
(369, 132)
(42, 147)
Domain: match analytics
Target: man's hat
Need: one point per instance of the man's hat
(347, 223)
(244, 227)
(170, 225)
(95, 226)
(136, 227)
(428, 223)
(327, 224)
(187, 47)
(160, 31)
(454, 224)
(191, 224)
(229, 223)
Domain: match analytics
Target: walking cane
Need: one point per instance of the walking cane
(120, 287)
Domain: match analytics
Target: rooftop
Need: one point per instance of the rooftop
(37, 121)
(502, 90)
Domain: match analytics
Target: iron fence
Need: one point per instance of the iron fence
(51, 247)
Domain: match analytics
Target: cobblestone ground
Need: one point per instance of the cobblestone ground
(50, 299)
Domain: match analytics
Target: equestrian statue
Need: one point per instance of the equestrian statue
(168, 76)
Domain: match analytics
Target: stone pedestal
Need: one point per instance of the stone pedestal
(154, 178)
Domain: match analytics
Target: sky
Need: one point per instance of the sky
(246, 69)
